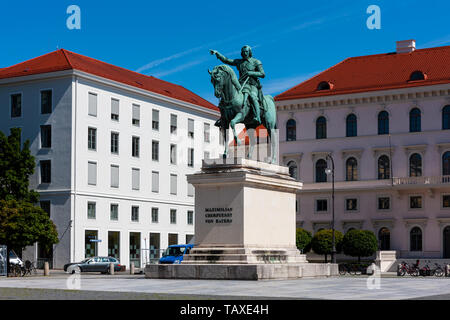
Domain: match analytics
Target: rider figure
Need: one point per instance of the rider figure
(252, 69)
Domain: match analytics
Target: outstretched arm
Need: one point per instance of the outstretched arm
(222, 58)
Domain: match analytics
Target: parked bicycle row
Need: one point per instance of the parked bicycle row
(413, 269)
(22, 269)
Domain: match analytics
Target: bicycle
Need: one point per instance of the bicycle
(15, 270)
(29, 268)
(438, 271)
(411, 270)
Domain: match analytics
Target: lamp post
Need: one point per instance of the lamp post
(333, 241)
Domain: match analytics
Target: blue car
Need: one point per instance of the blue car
(174, 254)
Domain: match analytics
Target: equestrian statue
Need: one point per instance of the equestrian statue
(242, 100)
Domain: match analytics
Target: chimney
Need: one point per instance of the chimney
(406, 46)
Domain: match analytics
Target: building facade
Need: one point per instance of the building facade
(113, 148)
(384, 121)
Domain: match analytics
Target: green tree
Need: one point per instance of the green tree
(359, 243)
(321, 243)
(22, 224)
(16, 166)
(303, 240)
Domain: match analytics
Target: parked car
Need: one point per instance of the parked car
(175, 253)
(14, 258)
(93, 264)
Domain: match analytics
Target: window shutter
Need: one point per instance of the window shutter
(92, 173)
(173, 184)
(191, 125)
(155, 181)
(115, 106)
(135, 178)
(136, 112)
(155, 115)
(92, 104)
(115, 176)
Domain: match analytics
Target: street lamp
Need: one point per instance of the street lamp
(333, 242)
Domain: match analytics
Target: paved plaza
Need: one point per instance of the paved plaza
(135, 287)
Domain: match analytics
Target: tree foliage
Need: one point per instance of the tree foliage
(22, 224)
(360, 243)
(321, 243)
(303, 240)
(16, 166)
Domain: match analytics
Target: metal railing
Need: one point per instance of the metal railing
(421, 180)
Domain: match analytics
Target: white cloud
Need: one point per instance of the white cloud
(277, 86)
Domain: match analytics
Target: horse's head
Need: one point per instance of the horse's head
(224, 80)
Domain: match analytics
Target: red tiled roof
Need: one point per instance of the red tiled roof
(377, 72)
(66, 60)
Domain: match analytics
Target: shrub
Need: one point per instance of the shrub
(359, 243)
(303, 240)
(321, 243)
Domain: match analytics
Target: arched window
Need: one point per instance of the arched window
(415, 237)
(324, 85)
(351, 125)
(417, 75)
(383, 122)
(384, 239)
(321, 175)
(293, 171)
(351, 166)
(446, 118)
(415, 165)
(446, 164)
(414, 120)
(384, 167)
(321, 128)
(291, 130)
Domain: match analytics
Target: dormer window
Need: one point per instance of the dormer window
(324, 85)
(417, 75)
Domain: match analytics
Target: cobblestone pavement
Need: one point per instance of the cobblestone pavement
(125, 286)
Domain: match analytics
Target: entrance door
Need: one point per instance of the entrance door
(384, 239)
(154, 247)
(135, 248)
(446, 237)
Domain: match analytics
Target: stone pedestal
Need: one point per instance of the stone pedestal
(244, 225)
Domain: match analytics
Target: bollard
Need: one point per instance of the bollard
(46, 269)
(111, 268)
(132, 268)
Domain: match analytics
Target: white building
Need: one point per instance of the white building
(112, 149)
(385, 121)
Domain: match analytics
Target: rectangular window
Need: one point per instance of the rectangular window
(415, 202)
(114, 212)
(321, 205)
(46, 136)
(135, 213)
(92, 139)
(173, 124)
(90, 246)
(173, 154)
(155, 150)
(155, 215)
(135, 178)
(92, 173)
(172, 238)
(46, 101)
(190, 217)
(206, 132)
(136, 115)
(446, 201)
(155, 181)
(114, 142)
(173, 216)
(135, 147)
(16, 105)
(351, 204)
(114, 176)
(46, 171)
(190, 128)
(384, 203)
(190, 157)
(114, 109)
(92, 104)
(173, 184)
(190, 190)
(91, 210)
(155, 120)
(45, 205)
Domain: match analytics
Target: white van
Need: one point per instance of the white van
(14, 259)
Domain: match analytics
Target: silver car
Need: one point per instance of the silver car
(93, 264)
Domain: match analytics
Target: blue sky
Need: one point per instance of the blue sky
(170, 39)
